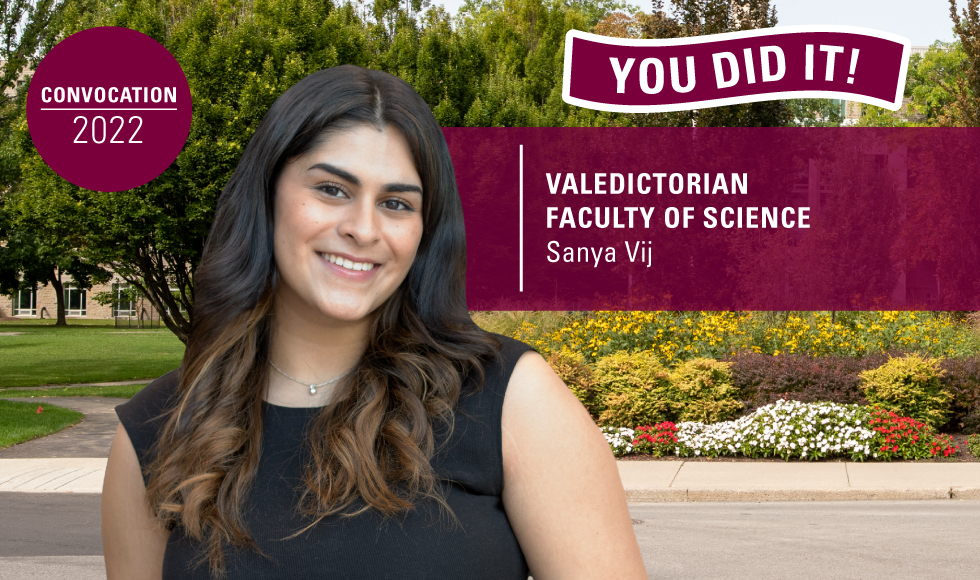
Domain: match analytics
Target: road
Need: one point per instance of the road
(56, 536)
(50, 536)
(814, 541)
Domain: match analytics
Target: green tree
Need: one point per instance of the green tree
(816, 112)
(931, 82)
(43, 240)
(695, 18)
(29, 254)
(522, 47)
(965, 108)
(28, 33)
(944, 84)
(931, 87)
(238, 57)
(20, 267)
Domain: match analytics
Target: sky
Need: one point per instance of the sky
(921, 21)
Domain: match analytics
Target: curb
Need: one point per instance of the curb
(73, 385)
(728, 495)
(682, 481)
(966, 493)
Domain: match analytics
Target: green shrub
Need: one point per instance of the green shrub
(634, 386)
(701, 390)
(571, 367)
(973, 444)
(910, 386)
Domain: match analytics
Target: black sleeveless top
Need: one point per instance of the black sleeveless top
(421, 544)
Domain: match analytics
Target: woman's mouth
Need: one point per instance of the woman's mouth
(346, 263)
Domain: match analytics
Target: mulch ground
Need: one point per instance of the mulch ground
(964, 456)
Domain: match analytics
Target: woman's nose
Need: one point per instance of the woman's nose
(360, 222)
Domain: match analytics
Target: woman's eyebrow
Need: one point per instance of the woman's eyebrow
(387, 188)
(400, 188)
(338, 172)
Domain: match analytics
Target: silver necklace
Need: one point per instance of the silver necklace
(310, 385)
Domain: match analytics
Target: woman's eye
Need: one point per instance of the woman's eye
(331, 190)
(397, 204)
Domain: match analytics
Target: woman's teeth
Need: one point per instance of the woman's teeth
(345, 263)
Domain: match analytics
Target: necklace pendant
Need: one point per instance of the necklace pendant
(312, 390)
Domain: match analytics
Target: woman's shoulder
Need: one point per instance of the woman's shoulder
(485, 400)
(142, 416)
(509, 353)
(498, 369)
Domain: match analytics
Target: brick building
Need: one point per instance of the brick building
(42, 302)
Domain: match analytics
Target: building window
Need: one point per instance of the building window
(124, 305)
(74, 301)
(25, 303)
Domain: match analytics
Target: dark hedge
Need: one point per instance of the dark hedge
(762, 379)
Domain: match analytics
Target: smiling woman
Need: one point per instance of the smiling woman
(337, 413)
(348, 225)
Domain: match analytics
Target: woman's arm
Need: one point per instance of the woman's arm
(132, 540)
(562, 491)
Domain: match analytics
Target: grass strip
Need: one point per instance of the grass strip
(38, 355)
(123, 391)
(21, 422)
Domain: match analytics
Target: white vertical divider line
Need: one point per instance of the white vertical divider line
(520, 251)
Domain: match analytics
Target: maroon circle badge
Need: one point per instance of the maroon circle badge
(109, 109)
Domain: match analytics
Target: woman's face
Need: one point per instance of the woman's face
(348, 221)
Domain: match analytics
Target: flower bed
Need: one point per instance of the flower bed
(699, 368)
(679, 336)
(791, 430)
(811, 357)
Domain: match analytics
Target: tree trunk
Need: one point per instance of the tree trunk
(59, 292)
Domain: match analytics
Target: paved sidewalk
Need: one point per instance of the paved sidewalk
(645, 481)
(81, 475)
(670, 481)
(74, 461)
(92, 437)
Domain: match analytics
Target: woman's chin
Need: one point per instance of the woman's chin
(342, 315)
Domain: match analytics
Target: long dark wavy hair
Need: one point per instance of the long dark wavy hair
(375, 442)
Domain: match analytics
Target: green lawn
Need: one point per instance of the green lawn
(124, 391)
(85, 351)
(21, 422)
